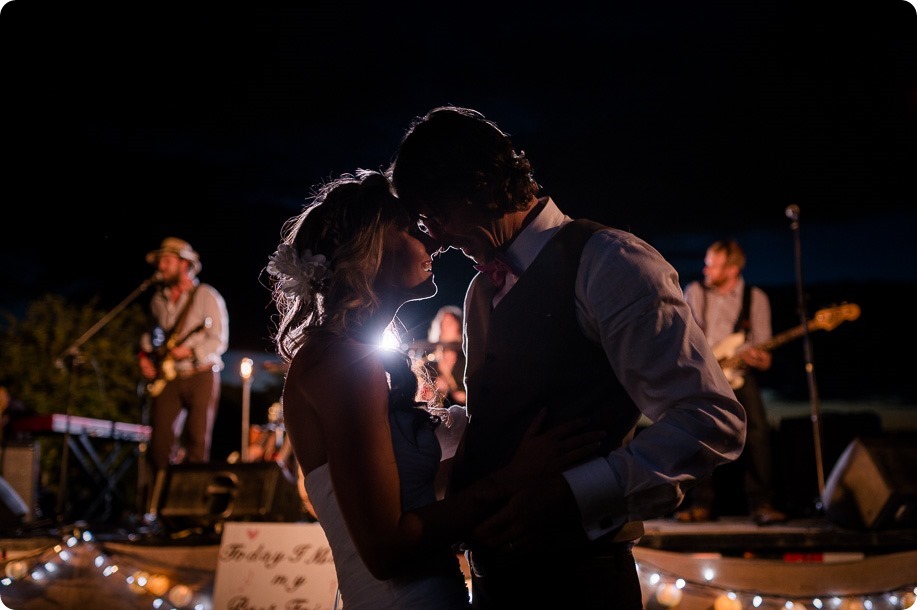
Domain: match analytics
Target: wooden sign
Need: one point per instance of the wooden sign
(274, 565)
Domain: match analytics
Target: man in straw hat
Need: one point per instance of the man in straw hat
(181, 358)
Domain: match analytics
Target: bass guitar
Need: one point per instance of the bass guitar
(165, 367)
(729, 355)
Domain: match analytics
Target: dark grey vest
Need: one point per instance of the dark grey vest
(535, 356)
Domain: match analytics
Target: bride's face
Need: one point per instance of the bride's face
(407, 264)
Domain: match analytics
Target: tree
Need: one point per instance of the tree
(99, 379)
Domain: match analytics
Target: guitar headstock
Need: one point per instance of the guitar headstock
(830, 317)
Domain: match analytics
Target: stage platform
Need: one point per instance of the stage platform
(739, 536)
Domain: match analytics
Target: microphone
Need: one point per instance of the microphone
(156, 278)
(792, 211)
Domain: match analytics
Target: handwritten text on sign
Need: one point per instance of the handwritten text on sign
(273, 566)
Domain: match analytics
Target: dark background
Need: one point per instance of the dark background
(682, 122)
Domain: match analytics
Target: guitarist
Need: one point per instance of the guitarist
(186, 352)
(724, 305)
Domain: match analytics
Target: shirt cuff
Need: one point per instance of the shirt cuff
(596, 489)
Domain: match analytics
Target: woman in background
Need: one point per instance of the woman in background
(445, 336)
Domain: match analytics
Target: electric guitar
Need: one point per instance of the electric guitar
(730, 357)
(165, 367)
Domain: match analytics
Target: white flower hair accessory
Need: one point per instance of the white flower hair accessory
(298, 276)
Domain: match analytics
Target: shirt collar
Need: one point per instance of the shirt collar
(529, 242)
(738, 289)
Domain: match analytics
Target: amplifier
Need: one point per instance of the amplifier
(188, 496)
(20, 469)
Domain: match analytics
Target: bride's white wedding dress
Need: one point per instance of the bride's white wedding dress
(442, 586)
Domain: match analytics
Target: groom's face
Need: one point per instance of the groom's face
(463, 227)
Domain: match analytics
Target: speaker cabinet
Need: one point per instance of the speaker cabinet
(21, 469)
(190, 496)
(13, 509)
(873, 485)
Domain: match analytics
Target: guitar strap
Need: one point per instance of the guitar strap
(743, 323)
(180, 322)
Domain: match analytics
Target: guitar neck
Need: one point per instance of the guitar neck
(772, 343)
(786, 336)
(825, 319)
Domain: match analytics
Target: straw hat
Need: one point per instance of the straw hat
(178, 247)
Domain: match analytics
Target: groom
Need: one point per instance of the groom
(583, 319)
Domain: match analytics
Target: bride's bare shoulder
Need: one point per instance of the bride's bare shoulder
(327, 358)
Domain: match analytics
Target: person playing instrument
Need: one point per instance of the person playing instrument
(446, 334)
(729, 309)
(268, 442)
(368, 447)
(182, 357)
(585, 320)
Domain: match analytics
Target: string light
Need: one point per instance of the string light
(45, 566)
(727, 601)
(909, 600)
(669, 595)
(668, 589)
(181, 595)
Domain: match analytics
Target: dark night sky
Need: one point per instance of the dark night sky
(682, 122)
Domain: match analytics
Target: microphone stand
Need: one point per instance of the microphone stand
(792, 212)
(70, 358)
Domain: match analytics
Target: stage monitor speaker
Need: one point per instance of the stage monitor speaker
(873, 485)
(796, 471)
(13, 508)
(188, 496)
